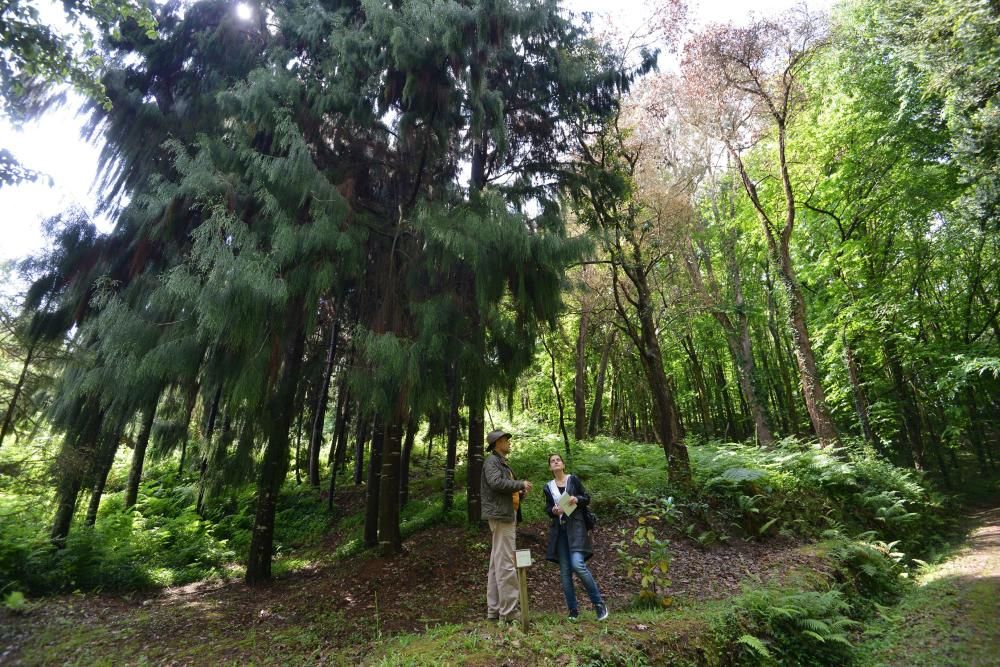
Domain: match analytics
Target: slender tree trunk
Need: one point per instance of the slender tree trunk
(559, 401)
(364, 422)
(907, 404)
(858, 393)
(812, 388)
(778, 239)
(139, 456)
(976, 436)
(580, 378)
(666, 422)
(727, 405)
(700, 386)
(596, 411)
(101, 469)
(274, 464)
(335, 459)
(75, 455)
(616, 404)
(338, 453)
(373, 494)
(97, 491)
(298, 448)
(936, 445)
(782, 366)
(213, 413)
(741, 346)
(8, 418)
(319, 412)
(451, 455)
(192, 399)
(404, 472)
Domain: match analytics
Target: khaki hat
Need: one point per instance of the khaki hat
(493, 436)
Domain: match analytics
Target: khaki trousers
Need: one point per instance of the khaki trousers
(502, 590)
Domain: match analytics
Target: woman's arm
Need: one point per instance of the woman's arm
(550, 502)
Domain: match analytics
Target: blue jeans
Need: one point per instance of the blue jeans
(570, 562)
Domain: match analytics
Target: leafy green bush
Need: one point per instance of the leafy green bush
(769, 627)
(651, 563)
(868, 573)
(795, 488)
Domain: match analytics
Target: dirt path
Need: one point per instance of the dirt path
(953, 616)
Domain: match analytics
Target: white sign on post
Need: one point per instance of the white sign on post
(523, 557)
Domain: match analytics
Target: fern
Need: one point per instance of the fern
(755, 644)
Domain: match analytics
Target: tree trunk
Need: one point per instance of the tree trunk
(909, 410)
(666, 424)
(298, 448)
(451, 456)
(390, 540)
(335, 459)
(74, 457)
(700, 386)
(580, 378)
(559, 401)
(812, 388)
(213, 413)
(727, 405)
(976, 436)
(191, 401)
(373, 492)
(404, 471)
(361, 437)
(596, 411)
(319, 412)
(787, 394)
(338, 453)
(8, 418)
(274, 464)
(477, 402)
(139, 456)
(778, 239)
(858, 393)
(101, 469)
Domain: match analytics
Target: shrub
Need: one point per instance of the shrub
(767, 627)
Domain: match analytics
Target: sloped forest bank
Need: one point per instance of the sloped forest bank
(756, 296)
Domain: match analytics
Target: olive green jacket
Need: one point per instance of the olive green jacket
(497, 489)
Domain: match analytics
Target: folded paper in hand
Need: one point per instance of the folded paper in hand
(565, 505)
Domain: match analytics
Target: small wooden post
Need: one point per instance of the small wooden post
(523, 561)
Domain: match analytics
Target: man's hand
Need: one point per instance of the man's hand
(527, 486)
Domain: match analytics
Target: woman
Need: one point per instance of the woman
(569, 542)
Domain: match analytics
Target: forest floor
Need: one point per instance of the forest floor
(348, 612)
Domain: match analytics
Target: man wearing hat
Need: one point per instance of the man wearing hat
(501, 495)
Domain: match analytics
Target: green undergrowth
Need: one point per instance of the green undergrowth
(867, 527)
(811, 616)
(739, 492)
